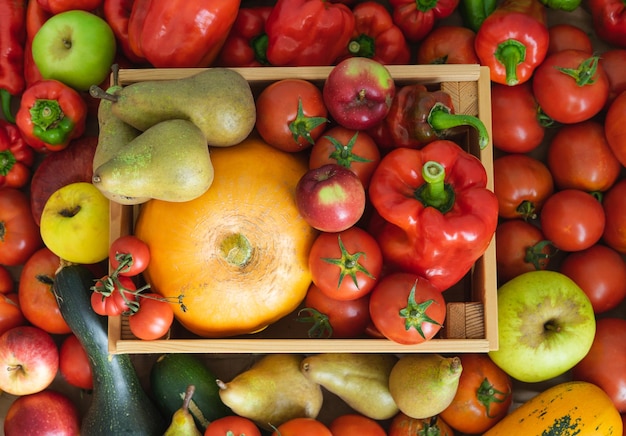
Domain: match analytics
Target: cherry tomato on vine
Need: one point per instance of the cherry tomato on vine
(614, 204)
(153, 319)
(565, 36)
(302, 427)
(109, 301)
(19, 234)
(6, 281)
(404, 425)
(352, 424)
(74, 363)
(232, 425)
(132, 253)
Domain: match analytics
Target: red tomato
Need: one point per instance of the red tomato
(291, 114)
(406, 308)
(572, 219)
(615, 127)
(153, 319)
(37, 301)
(74, 363)
(600, 272)
(614, 203)
(132, 253)
(604, 364)
(108, 300)
(520, 247)
(19, 234)
(579, 157)
(352, 149)
(232, 426)
(522, 184)
(614, 63)
(403, 425)
(568, 98)
(10, 312)
(345, 265)
(567, 36)
(483, 397)
(334, 318)
(516, 126)
(448, 45)
(353, 424)
(6, 281)
(302, 427)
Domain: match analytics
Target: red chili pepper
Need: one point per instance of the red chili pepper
(439, 216)
(16, 157)
(58, 6)
(12, 38)
(609, 20)
(246, 45)
(416, 18)
(376, 36)
(308, 32)
(180, 33)
(117, 14)
(35, 17)
(513, 40)
(51, 115)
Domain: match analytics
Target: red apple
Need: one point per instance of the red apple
(29, 360)
(330, 198)
(358, 92)
(43, 413)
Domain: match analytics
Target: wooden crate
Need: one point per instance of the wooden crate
(471, 323)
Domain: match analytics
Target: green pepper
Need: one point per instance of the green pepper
(562, 5)
(474, 12)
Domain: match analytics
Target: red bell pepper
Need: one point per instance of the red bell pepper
(35, 17)
(51, 115)
(58, 6)
(513, 40)
(246, 45)
(439, 217)
(12, 38)
(609, 20)
(308, 32)
(16, 157)
(376, 36)
(180, 33)
(117, 14)
(416, 18)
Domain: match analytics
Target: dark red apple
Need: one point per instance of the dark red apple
(330, 198)
(47, 412)
(358, 92)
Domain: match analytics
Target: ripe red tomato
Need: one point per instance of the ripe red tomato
(6, 281)
(74, 363)
(579, 157)
(352, 149)
(572, 219)
(334, 318)
(600, 272)
(403, 425)
(302, 427)
(352, 424)
(565, 36)
(10, 312)
(406, 308)
(570, 97)
(522, 184)
(19, 234)
(604, 364)
(109, 301)
(291, 114)
(345, 265)
(614, 203)
(232, 425)
(483, 397)
(614, 63)
(448, 45)
(153, 319)
(615, 127)
(132, 253)
(516, 126)
(37, 301)
(520, 247)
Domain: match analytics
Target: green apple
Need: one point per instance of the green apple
(75, 223)
(546, 325)
(74, 47)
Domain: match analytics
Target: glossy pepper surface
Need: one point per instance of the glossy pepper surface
(474, 12)
(35, 17)
(246, 45)
(609, 20)
(416, 18)
(439, 216)
(16, 157)
(12, 38)
(51, 114)
(117, 14)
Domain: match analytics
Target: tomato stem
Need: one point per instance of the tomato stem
(414, 313)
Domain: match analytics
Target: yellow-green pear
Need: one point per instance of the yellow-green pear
(183, 423)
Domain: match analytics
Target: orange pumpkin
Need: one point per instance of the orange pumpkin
(239, 253)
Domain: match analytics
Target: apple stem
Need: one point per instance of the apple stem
(552, 326)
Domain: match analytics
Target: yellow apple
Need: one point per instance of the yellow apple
(75, 223)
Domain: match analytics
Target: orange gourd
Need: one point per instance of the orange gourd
(239, 253)
(567, 409)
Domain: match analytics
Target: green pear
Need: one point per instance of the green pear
(272, 392)
(361, 380)
(170, 161)
(182, 421)
(423, 385)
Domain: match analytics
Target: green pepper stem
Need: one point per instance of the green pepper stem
(363, 45)
(440, 118)
(510, 53)
(435, 192)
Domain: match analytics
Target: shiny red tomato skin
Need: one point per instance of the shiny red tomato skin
(6, 280)
(19, 234)
(403, 425)
(600, 272)
(448, 45)
(558, 94)
(153, 319)
(614, 203)
(74, 363)
(579, 157)
(232, 426)
(10, 312)
(614, 63)
(302, 427)
(572, 219)
(568, 36)
(604, 364)
(130, 245)
(354, 424)
(615, 127)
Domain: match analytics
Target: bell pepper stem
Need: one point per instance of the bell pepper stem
(435, 192)
(511, 53)
(5, 96)
(440, 118)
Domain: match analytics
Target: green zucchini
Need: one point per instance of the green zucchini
(119, 405)
(169, 377)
